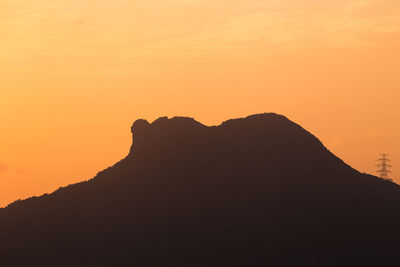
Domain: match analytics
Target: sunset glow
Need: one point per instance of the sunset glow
(74, 76)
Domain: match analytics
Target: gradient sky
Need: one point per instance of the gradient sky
(74, 75)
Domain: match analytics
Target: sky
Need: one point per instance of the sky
(74, 76)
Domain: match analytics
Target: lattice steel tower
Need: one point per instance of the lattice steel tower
(384, 167)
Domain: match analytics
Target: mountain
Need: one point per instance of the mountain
(256, 191)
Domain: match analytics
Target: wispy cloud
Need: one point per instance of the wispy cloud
(102, 34)
(346, 138)
(3, 168)
(371, 133)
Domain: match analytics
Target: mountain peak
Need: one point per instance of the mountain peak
(139, 125)
(177, 121)
(271, 136)
(248, 192)
(161, 131)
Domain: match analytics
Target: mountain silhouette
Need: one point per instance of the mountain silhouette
(256, 191)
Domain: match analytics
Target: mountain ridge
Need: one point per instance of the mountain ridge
(237, 194)
(141, 125)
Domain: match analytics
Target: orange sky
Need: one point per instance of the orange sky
(74, 75)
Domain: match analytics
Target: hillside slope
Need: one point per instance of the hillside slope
(257, 191)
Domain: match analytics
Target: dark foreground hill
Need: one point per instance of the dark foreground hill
(259, 191)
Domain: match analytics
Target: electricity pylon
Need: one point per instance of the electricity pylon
(384, 167)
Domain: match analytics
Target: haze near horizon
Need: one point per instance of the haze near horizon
(75, 75)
